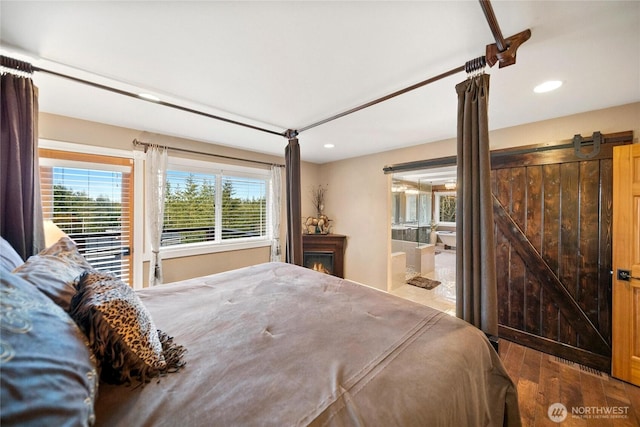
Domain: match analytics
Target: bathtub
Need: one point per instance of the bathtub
(447, 237)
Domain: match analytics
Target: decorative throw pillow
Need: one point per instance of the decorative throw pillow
(54, 270)
(49, 375)
(9, 258)
(121, 331)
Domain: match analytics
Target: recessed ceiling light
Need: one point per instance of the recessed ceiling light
(149, 97)
(547, 86)
(329, 145)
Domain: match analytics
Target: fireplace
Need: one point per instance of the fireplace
(324, 252)
(319, 261)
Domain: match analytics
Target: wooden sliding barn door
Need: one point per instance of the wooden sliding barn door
(553, 228)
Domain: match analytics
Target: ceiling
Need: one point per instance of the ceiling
(283, 65)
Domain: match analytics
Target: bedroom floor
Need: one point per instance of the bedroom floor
(543, 380)
(443, 296)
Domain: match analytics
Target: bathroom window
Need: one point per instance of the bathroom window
(445, 207)
(412, 205)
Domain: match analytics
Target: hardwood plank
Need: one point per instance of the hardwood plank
(578, 390)
(593, 395)
(634, 398)
(528, 385)
(527, 391)
(513, 361)
(548, 390)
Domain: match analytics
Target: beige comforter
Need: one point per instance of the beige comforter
(280, 345)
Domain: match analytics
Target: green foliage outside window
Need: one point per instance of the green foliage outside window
(447, 208)
(77, 213)
(189, 215)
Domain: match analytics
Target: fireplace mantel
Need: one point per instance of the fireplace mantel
(331, 245)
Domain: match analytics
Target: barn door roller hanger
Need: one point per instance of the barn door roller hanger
(579, 143)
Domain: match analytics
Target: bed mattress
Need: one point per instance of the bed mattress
(280, 345)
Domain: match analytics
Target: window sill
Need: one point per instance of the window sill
(208, 248)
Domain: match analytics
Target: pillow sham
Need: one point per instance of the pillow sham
(54, 270)
(9, 258)
(49, 375)
(121, 332)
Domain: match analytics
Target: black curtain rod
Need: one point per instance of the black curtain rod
(472, 65)
(10, 64)
(184, 150)
(288, 133)
(386, 97)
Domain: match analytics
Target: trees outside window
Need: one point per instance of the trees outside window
(191, 208)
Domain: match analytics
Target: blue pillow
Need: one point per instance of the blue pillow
(9, 258)
(49, 375)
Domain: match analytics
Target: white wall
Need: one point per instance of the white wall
(358, 196)
(66, 129)
(358, 193)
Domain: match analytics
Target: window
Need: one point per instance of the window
(445, 207)
(215, 207)
(89, 198)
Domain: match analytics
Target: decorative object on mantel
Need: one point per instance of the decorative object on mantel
(321, 224)
(317, 196)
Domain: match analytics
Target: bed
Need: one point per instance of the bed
(279, 345)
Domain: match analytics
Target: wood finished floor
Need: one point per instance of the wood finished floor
(542, 381)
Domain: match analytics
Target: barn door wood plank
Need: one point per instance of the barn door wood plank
(605, 258)
(550, 245)
(569, 238)
(503, 249)
(589, 241)
(533, 230)
(550, 282)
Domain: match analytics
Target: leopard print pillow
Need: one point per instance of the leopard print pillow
(119, 328)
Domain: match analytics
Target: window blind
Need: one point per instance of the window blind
(244, 207)
(189, 208)
(213, 207)
(91, 203)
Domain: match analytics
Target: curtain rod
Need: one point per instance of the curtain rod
(184, 150)
(502, 52)
(385, 98)
(25, 67)
(501, 44)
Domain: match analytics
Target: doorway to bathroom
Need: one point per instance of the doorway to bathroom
(423, 239)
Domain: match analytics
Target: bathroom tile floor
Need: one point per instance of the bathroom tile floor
(443, 296)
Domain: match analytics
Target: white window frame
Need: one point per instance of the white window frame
(141, 250)
(436, 214)
(200, 248)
